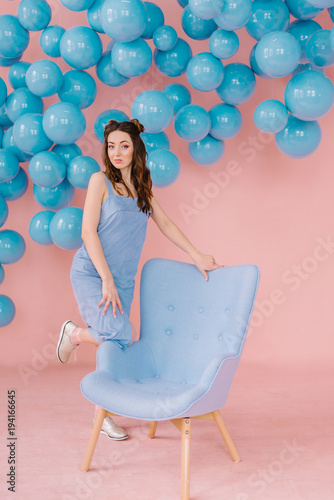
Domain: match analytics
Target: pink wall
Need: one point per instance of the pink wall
(270, 210)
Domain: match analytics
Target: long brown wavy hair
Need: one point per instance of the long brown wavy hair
(140, 173)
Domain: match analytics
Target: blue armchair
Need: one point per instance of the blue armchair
(191, 339)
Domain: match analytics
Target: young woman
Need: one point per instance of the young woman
(118, 205)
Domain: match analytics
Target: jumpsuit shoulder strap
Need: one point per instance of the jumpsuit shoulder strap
(109, 186)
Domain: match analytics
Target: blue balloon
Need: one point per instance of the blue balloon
(278, 53)
(23, 101)
(7, 310)
(77, 5)
(9, 61)
(9, 165)
(234, 14)
(254, 65)
(103, 119)
(17, 74)
(302, 9)
(29, 135)
(124, 20)
(44, 78)
(155, 141)
(207, 151)
(1, 135)
(266, 17)
(94, 16)
(15, 188)
(14, 38)
(307, 67)
(50, 40)
(196, 28)
(238, 84)
(79, 88)
(318, 49)
(270, 116)
(4, 120)
(132, 58)
(302, 30)
(183, 3)
(9, 143)
(3, 91)
(155, 18)
(46, 169)
(154, 110)
(165, 37)
(173, 62)
(107, 73)
(67, 152)
(309, 95)
(164, 167)
(192, 122)
(39, 227)
(66, 227)
(226, 121)
(223, 44)
(331, 39)
(331, 13)
(2, 274)
(298, 138)
(178, 94)
(110, 45)
(206, 9)
(34, 15)
(80, 47)
(80, 170)
(64, 123)
(205, 72)
(3, 213)
(12, 246)
(57, 197)
(322, 4)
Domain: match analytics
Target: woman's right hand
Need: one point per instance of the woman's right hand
(110, 296)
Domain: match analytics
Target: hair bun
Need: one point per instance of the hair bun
(139, 126)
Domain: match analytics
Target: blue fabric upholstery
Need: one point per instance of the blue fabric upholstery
(191, 339)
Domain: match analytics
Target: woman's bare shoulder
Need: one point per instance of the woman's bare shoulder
(98, 181)
(98, 177)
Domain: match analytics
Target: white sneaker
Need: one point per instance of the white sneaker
(111, 430)
(65, 346)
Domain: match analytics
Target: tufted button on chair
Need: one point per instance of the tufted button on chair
(191, 339)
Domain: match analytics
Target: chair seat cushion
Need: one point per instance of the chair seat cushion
(147, 399)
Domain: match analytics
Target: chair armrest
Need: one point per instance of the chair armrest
(215, 383)
(215, 365)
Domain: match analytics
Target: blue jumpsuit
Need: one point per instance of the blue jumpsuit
(122, 231)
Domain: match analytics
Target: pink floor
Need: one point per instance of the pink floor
(282, 423)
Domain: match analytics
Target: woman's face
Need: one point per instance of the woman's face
(120, 149)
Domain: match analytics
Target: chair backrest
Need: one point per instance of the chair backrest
(187, 320)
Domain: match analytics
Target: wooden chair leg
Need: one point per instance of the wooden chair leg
(226, 436)
(185, 459)
(93, 439)
(152, 429)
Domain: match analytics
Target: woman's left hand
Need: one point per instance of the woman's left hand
(205, 263)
